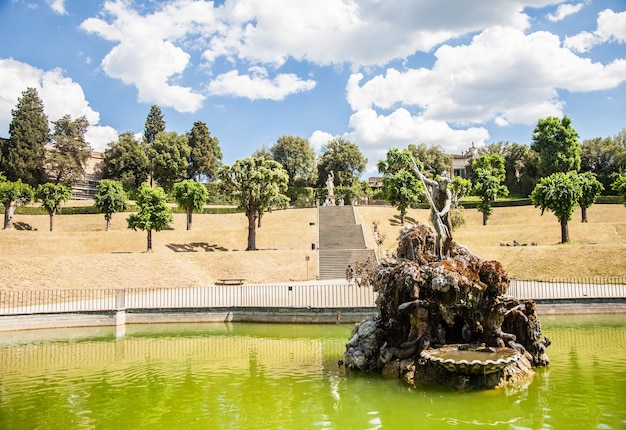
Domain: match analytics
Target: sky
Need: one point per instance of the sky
(379, 73)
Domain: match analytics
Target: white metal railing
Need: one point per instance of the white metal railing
(321, 295)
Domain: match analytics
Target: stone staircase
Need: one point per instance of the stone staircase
(341, 241)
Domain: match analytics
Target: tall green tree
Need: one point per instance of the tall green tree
(22, 156)
(345, 159)
(604, 157)
(256, 184)
(590, 190)
(110, 198)
(619, 186)
(400, 186)
(191, 196)
(12, 196)
(519, 165)
(169, 155)
(66, 161)
(556, 142)
(434, 159)
(489, 183)
(559, 193)
(126, 161)
(205, 156)
(154, 213)
(154, 125)
(297, 157)
(52, 197)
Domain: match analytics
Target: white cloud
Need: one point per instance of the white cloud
(258, 86)
(100, 136)
(611, 27)
(320, 138)
(58, 6)
(564, 10)
(60, 96)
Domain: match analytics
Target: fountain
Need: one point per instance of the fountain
(445, 319)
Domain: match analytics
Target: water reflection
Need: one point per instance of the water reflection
(286, 376)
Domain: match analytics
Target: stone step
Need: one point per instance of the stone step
(333, 263)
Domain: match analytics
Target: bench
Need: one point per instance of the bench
(230, 281)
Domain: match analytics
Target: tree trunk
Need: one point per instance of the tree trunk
(252, 215)
(584, 214)
(564, 230)
(485, 218)
(259, 220)
(9, 211)
(51, 213)
(107, 217)
(402, 215)
(149, 241)
(189, 213)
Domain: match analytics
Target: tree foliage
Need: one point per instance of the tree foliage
(489, 184)
(52, 197)
(400, 185)
(434, 159)
(154, 125)
(556, 142)
(190, 195)
(256, 184)
(154, 213)
(590, 189)
(297, 157)
(169, 155)
(459, 187)
(605, 157)
(110, 198)
(126, 161)
(66, 161)
(14, 194)
(205, 153)
(520, 168)
(22, 156)
(560, 194)
(619, 186)
(345, 159)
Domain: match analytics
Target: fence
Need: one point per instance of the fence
(268, 296)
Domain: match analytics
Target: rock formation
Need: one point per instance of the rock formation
(426, 303)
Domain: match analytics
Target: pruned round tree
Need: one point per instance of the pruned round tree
(52, 197)
(12, 196)
(489, 183)
(110, 198)
(400, 186)
(590, 190)
(154, 214)
(191, 196)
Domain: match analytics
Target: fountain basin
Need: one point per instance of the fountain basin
(471, 360)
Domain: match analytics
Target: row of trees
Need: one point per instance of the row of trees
(556, 155)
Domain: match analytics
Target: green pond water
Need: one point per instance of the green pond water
(264, 376)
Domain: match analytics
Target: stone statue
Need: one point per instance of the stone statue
(440, 199)
(330, 183)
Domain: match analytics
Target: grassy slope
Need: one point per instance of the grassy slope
(80, 254)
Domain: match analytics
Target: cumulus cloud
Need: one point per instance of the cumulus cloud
(60, 96)
(611, 27)
(564, 10)
(258, 85)
(58, 6)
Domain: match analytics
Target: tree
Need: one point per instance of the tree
(434, 159)
(126, 161)
(400, 186)
(23, 155)
(66, 161)
(190, 195)
(489, 184)
(519, 165)
(206, 155)
(560, 194)
(154, 213)
(13, 195)
(110, 198)
(590, 190)
(169, 157)
(459, 187)
(51, 197)
(604, 157)
(556, 142)
(619, 186)
(255, 183)
(154, 125)
(345, 159)
(297, 157)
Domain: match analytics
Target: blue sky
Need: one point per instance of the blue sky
(380, 73)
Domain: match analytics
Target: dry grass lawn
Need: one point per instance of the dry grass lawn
(80, 254)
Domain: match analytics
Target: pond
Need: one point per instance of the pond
(261, 376)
